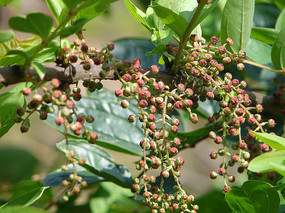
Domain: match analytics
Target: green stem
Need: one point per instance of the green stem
(263, 66)
(186, 35)
(53, 35)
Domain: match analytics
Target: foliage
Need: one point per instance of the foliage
(194, 67)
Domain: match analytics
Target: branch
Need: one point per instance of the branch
(12, 75)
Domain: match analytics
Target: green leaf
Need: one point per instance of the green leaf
(206, 12)
(18, 52)
(95, 10)
(280, 21)
(137, 13)
(263, 163)
(40, 69)
(72, 4)
(6, 35)
(18, 209)
(26, 199)
(265, 35)
(259, 52)
(55, 178)
(278, 168)
(56, 7)
(114, 130)
(9, 103)
(36, 23)
(173, 20)
(238, 201)
(278, 50)
(5, 2)
(236, 23)
(74, 28)
(274, 141)
(98, 161)
(263, 199)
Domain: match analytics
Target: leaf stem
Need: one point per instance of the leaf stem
(186, 35)
(264, 67)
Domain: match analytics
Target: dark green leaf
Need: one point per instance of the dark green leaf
(237, 22)
(72, 4)
(213, 202)
(56, 7)
(238, 200)
(18, 209)
(5, 2)
(36, 23)
(6, 35)
(263, 163)
(26, 199)
(9, 103)
(280, 21)
(265, 35)
(265, 15)
(18, 52)
(40, 69)
(274, 141)
(159, 49)
(278, 50)
(74, 28)
(129, 49)
(263, 199)
(114, 130)
(137, 13)
(95, 10)
(55, 178)
(280, 4)
(173, 20)
(98, 161)
(10, 158)
(259, 52)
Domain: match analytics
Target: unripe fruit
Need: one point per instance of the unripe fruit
(26, 91)
(240, 66)
(213, 175)
(222, 171)
(154, 69)
(20, 111)
(59, 121)
(173, 151)
(227, 188)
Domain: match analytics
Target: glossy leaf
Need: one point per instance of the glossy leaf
(5, 2)
(278, 50)
(236, 23)
(55, 178)
(36, 23)
(263, 163)
(280, 21)
(274, 141)
(26, 199)
(265, 35)
(259, 52)
(263, 199)
(9, 103)
(40, 69)
(6, 35)
(95, 9)
(56, 7)
(173, 20)
(18, 209)
(98, 161)
(238, 200)
(74, 28)
(137, 13)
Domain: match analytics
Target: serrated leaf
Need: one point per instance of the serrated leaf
(74, 28)
(56, 7)
(237, 22)
(26, 199)
(40, 69)
(98, 161)
(55, 178)
(9, 103)
(137, 13)
(173, 20)
(274, 141)
(278, 50)
(263, 163)
(6, 35)
(36, 23)
(238, 200)
(265, 35)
